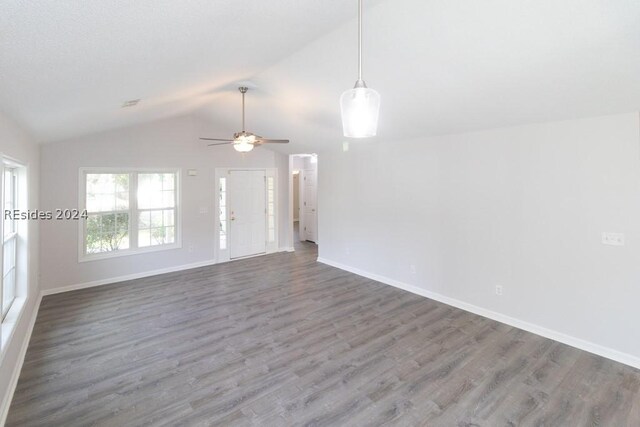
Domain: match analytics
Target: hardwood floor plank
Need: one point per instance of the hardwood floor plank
(284, 340)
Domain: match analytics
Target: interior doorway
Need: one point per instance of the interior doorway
(296, 196)
(303, 175)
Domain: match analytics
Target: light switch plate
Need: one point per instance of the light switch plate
(613, 239)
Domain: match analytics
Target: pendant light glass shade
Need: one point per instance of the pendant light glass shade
(360, 107)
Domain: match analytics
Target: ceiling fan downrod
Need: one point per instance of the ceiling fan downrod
(243, 90)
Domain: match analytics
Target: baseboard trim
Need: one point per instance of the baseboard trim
(579, 343)
(128, 277)
(13, 383)
(141, 275)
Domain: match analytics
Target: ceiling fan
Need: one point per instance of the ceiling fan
(245, 141)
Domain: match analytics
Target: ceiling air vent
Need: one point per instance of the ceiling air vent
(130, 103)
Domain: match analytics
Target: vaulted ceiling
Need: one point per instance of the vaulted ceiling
(441, 66)
(67, 66)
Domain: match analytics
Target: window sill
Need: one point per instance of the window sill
(128, 252)
(10, 322)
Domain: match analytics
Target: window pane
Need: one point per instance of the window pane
(168, 200)
(222, 213)
(161, 235)
(271, 220)
(156, 227)
(156, 218)
(144, 219)
(107, 232)
(168, 181)
(144, 238)
(168, 217)
(9, 255)
(9, 200)
(122, 200)
(156, 190)
(9, 289)
(107, 192)
(169, 235)
(9, 243)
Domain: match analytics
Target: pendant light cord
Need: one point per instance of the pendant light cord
(359, 40)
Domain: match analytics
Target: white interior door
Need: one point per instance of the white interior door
(247, 213)
(309, 203)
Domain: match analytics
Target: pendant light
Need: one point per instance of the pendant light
(360, 105)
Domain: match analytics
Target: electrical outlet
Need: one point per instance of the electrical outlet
(412, 269)
(499, 290)
(613, 239)
(191, 248)
(347, 250)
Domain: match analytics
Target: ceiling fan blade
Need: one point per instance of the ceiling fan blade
(221, 143)
(272, 141)
(217, 139)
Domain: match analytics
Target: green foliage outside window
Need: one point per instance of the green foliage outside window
(107, 232)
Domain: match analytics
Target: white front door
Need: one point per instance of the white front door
(247, 213)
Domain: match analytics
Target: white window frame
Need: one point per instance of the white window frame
(6, 238)
(132, 211)
(14, 314)
(223, 255)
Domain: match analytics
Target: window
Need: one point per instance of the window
(271, 210)
(108, 210)
(10, 241)
(222, 212)
(129, 212)
(156, 209)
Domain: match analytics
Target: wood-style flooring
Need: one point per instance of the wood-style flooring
(283, 340)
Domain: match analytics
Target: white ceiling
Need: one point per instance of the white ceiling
(66, 66)
(441, 66)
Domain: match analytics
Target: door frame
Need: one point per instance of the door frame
(289, 223)
(222, 253)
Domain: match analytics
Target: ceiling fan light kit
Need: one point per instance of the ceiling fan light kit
(244, 141)
(360, 106)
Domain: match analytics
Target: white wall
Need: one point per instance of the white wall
(520, 207)
(18, 145)
(168, 143)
